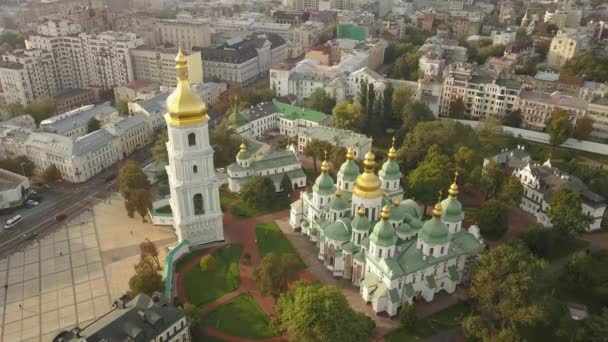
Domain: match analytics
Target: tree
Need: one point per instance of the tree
(406, 66)
(320, 101)
(20, 165)
(349, 115)
(507, 287)
(258, 95)
(14, 109)
(148, 249)
(258, 192)
(159, 150)
(130, 178)
(583, 128)
(490, 133)
(314, 312)
(51, 174)
(588, 65)
(41, 109)
(559, 127)
(275, 273)
(457, 109)
(597, 326)
(207, 263)
(432, 175)
(493, 219)
(123, 107)
(415, 112)
(511, 191)
(401, 97)
(407, 316)
(93, 125)
(194, 317)
(140, 201)
(337, 156)
(363, 95)
(287, 186)
(540, 240)
(512, 118)
(146, 282)
(542, 48)
(565, 212)
(316, 149)
(387, 106)
(492, 179)
(225, 142)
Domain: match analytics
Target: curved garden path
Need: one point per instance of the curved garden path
(241, 232)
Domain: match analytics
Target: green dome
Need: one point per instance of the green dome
(405, 230)
(349, 170)
(339, 203)
(412, 208)
(361, 223)
(452, 210)
(414, 222)
(242, 155)
(384, 233)
(338, 231)
(324, 185)
(390, 170)
(435, 232)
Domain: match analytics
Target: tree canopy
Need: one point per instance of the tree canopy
(311, 312)
(565, 211)
(131, 177)
(457, 109)
(123, 107)
(583, 128)
(349, 115)
(511, 191)
(51, 174)
(93, 125)
(275, 273)
(159, 150)
(492, 179)
(19, 165)
(258, 192)
(415, 112)
(316, 149)
(432, 175)
(493, 219)
(559, 127)
(320, 101)
(225, 142)
(589, 65)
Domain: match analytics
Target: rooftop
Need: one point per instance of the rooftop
(238, 50)
(336, 136)
(10, 180)
(79, 117)
(555, 98)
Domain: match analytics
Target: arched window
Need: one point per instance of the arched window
(442, 247)
(191, 139)
(195, 169)
(199, 209)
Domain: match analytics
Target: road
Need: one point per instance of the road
(62, 198)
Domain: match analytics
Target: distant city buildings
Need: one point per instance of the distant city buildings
(565, 45)
(157, 65)
(26, 75)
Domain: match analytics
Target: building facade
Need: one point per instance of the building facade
(13, 189)
(74, 123)
(366, 234)
(26, 75)
(565, 45)
(188, 33)
(156, 65)
(536, 107)
(598, 112)
(74, 98)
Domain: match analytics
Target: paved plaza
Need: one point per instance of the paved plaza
(70, 276)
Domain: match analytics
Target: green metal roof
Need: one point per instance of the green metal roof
(369, 280)
(338, 231)
(435, 232)
(359, 256)
(291, 112)
(351, 31)
(430, 281)
(390, 170)
(270, 161)
(383, 234)
(350, 247)
(349, 171)
(339, 204)
(324, 185)
(451, 210)
(361, 223)
(394, 295)
(405, 229)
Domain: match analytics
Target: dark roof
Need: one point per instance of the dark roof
(141, 319)
(520, 45)
(240, 50)
(551, 179)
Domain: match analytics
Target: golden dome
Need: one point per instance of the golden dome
(243, 147)
(184, 106)
(338, 193)
(325, 164)
(437, 210)
(386, 213)
(361, 211)
(392, 152)
(349, 153)
(368, 185)
(396, 202)
(453, 191)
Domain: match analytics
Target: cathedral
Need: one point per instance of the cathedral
(367, 233)
(195, 198)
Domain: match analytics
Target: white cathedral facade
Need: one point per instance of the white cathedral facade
(366, 233)
(195, 199)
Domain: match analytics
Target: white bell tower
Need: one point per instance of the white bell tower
(195, 199)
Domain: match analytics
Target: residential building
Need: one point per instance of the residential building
(156, 65)
(483, 94)
(69, 99)
(510, 160)
(503, 37)
(598, 112)
(367, 234)
(275, 165)
(142, 318)
(566, 44)
(464, 22)
(290, 120)
(134, 132)
(23, 121)
(374, 47)
(188, 33)
(536, 107)
(73, 124)
(540, 181)
(358, 143)
(13, 189)
(307, 34)
(437, 53)
(293, 17)
(243, 61)
(26, 75)
(131, 90)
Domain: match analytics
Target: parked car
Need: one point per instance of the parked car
(29, 236)
(61, 217)
(32, 202)
(221, 170)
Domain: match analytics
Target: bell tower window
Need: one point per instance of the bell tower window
(197, 201)
(195, 169)
(191, 139)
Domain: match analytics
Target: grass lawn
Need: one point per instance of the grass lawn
(435, 324)
(226, 196)
(204, 287)
(270, 239)
(243, 211)
(240, 317)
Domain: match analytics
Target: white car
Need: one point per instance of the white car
(221, 170)
(32, 203)
(33, 192)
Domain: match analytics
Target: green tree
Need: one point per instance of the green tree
(225, 142)
(559, 127)
(407, 316)
(363, 95)
(349, 115)
(406, 67)
(139, 201)
(146, 282)
(130, 178)
(313, 312)
(337, 156)
(589, 65)
(320, 101)
(41, 109)
(583, 128)
(401, 97)
(415, 112)
(258, 95)
(512, 118)
(12, 40)
(597, 326)
(492, 179)
(565, 212)
(511, 191)
(287, 186)
(542, 48)
(507, 287)
(20, 165)
(490, 133)
(315, 149)
(123, 107)
(93, 125)
(275, 273)
(148, 249)
(51, 174)
(14, 109)
(493, 219)
(457, 109)
(258, 192)
(387, 106)
(207, 263)
(432, 175)
(194, 317)
(159, 150)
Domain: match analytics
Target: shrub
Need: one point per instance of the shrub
(207, 263)
(407, 316)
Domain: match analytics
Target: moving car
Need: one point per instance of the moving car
(13, 221)
(32, 202)
(29, 236)
(61, 217)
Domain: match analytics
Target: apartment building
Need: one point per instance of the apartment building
(598, 112)
(537, 106)
(188, 33)
(26, 75)
(73, 124)
(483, 94)
(67, 100)
(566, 44)
(243, 61)
(158, 65)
